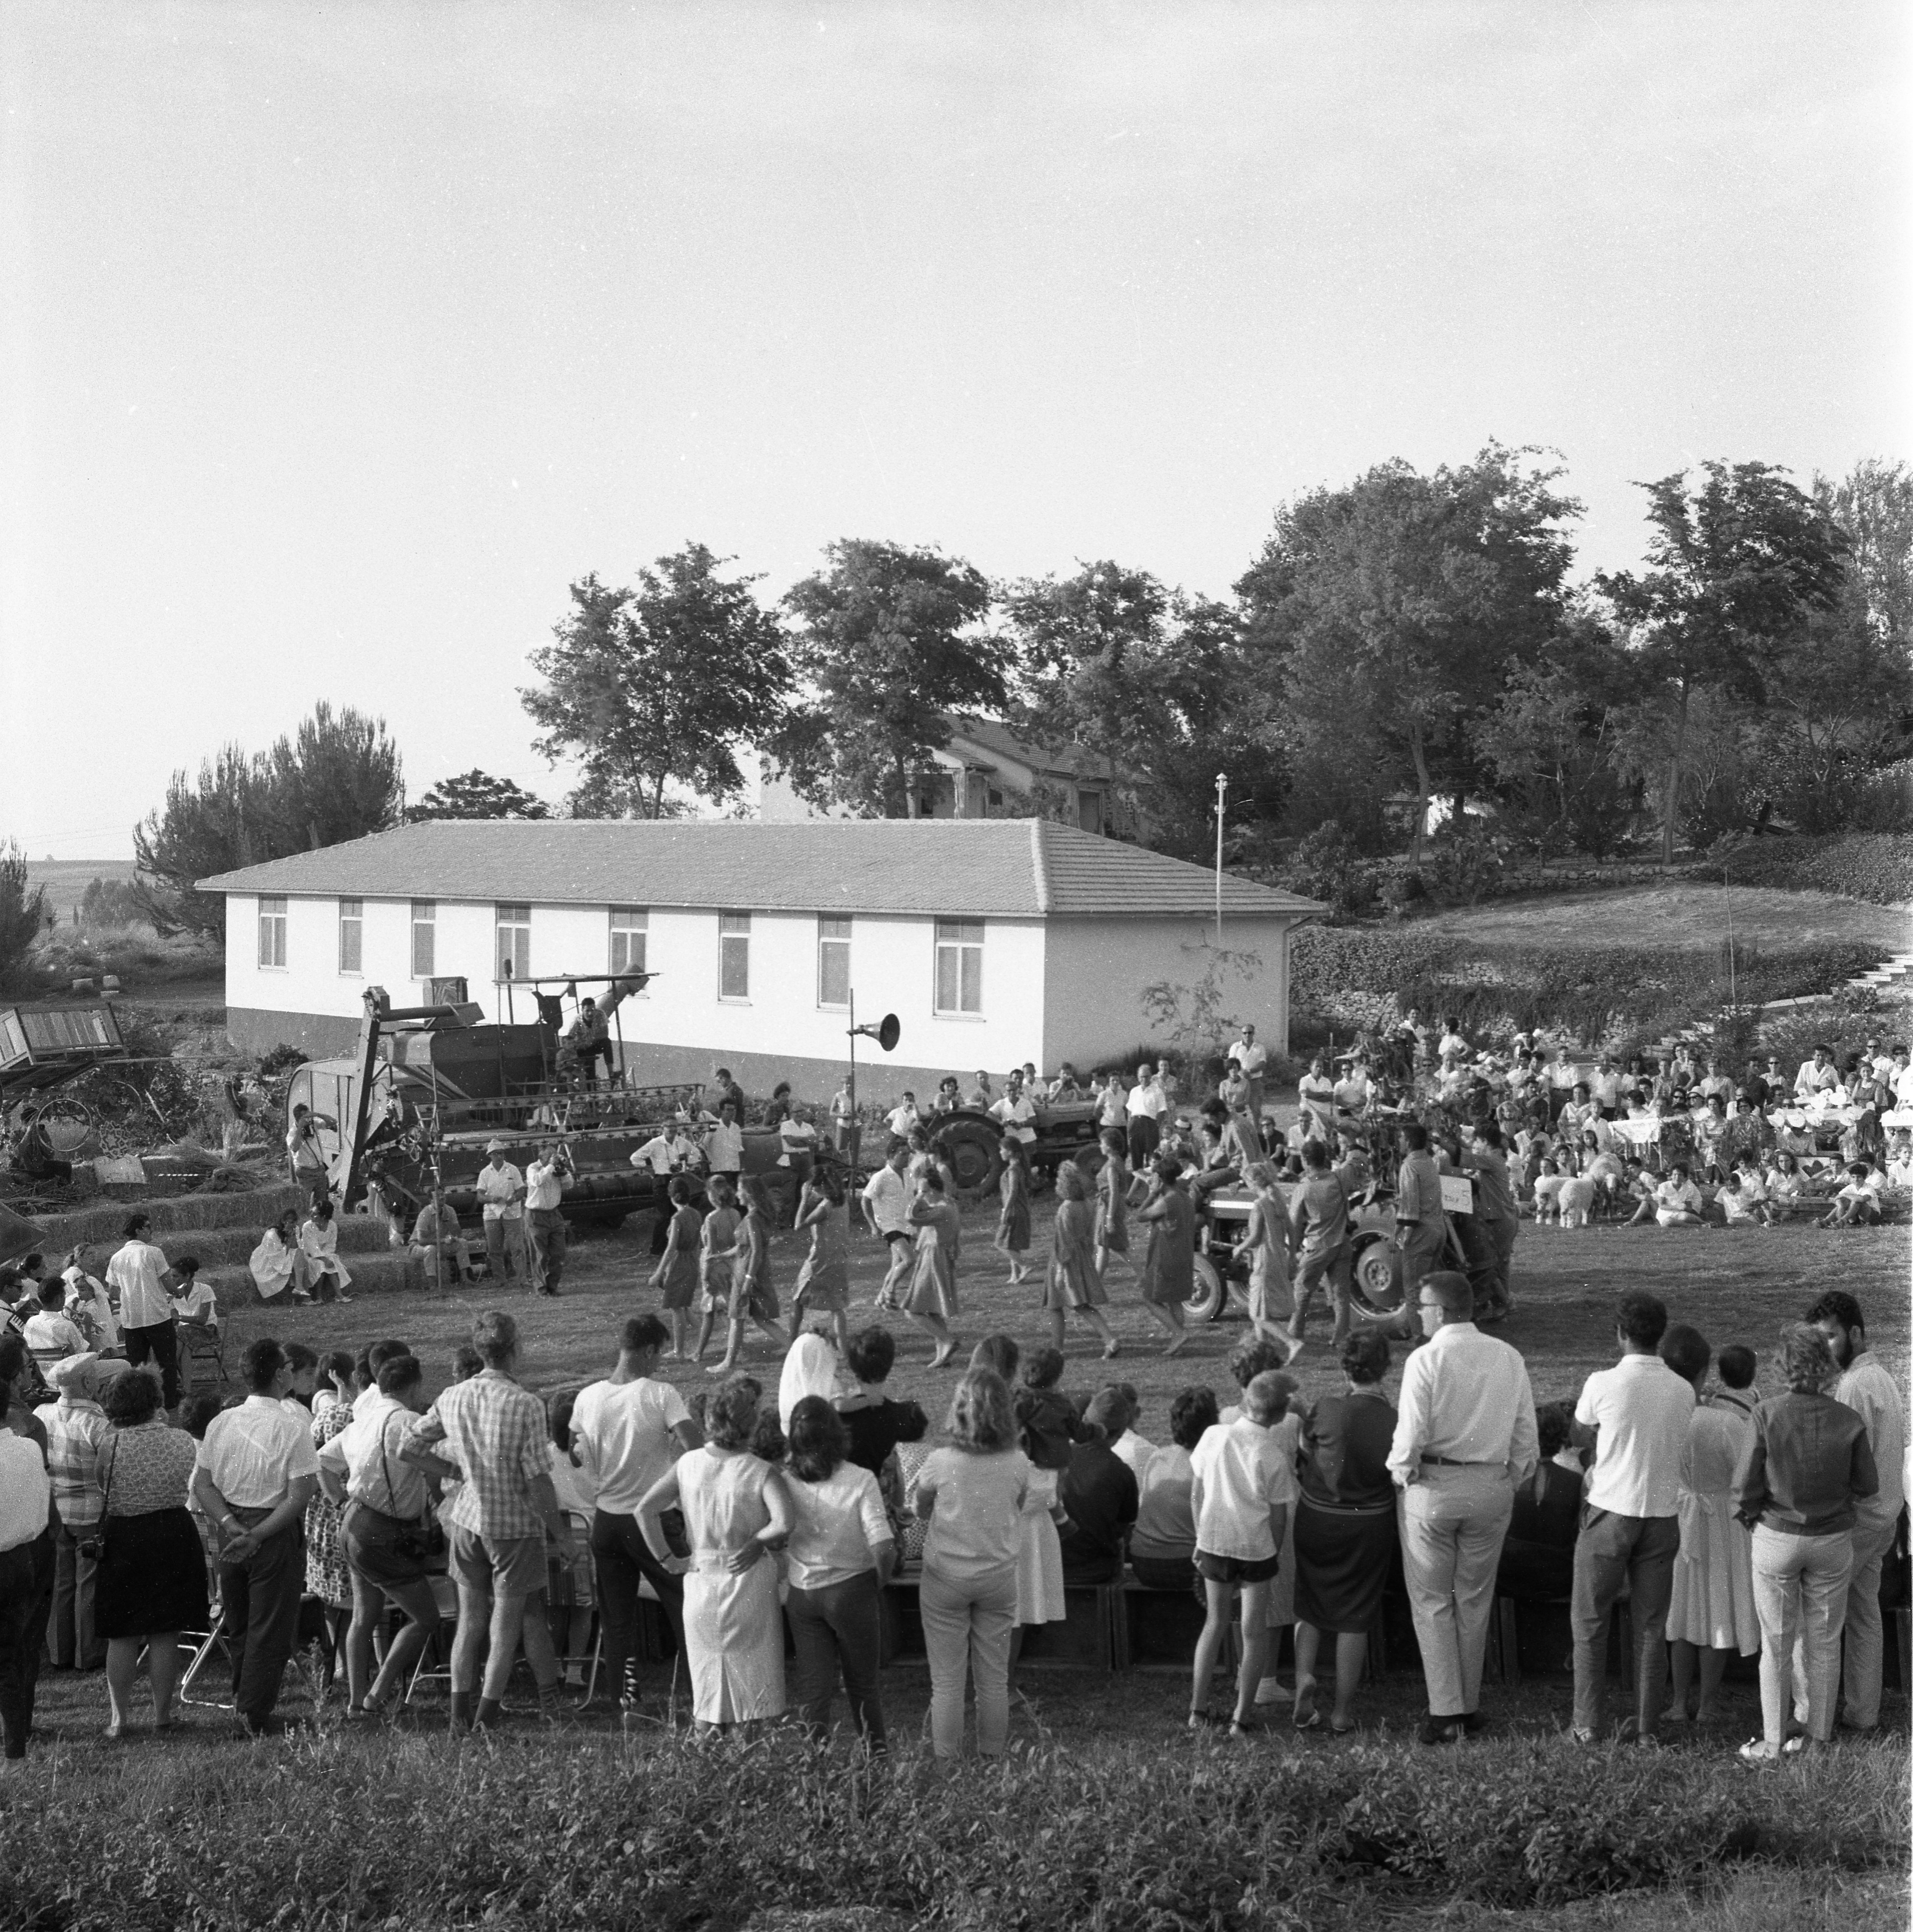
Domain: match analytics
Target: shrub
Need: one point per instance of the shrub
(1876, 866)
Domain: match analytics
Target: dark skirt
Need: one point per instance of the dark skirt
(152, 1576)
(1342, 1565)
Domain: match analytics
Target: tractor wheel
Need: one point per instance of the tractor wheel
(1378, 1275)
(1211, 1294)
(975, 1153)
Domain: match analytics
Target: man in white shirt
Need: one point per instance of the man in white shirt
(1034, 1084)
(628, 1430)
(1017, 1111)
(257, 1472)
(843, 1117)
(1145, 1106)
(1871, 1391)
(306, 1154)
(52, 1334)
(1901, 1078)
(886, 1200)
(724, 1145)
(1465, 1438)
(544, 1180)
(1604, 1089)
(500, 1189)
(903, 1116)
(1634, 1417)
(1249, 1054)
(1816, 1073)
(139, 1277)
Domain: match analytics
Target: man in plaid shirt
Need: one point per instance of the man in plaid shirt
(496, 1442)
(75, 1424)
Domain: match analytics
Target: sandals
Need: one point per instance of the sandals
(1307, 1717)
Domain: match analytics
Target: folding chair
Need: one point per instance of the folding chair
(208, 1642)
(202, 1345)
(437, 1654)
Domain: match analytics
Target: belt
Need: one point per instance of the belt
(1462, 1463)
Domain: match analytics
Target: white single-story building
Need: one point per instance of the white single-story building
(994, 941)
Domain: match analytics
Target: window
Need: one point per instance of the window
(629, 925)
(271, 932)
(425, 938)
(1089, 811)
(960, 966)
(352, 935)
(833, 961)
(514, 954)
(734, 972)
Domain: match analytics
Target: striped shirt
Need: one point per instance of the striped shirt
(495, 1434)
(75, 1428)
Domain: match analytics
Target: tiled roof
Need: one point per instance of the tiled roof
(1066, 760)
(1000, 867)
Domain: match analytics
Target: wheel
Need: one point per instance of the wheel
(1378, 1275)
(1211, 1294)
(975, 1153)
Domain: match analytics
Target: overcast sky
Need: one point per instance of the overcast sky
(339, 339)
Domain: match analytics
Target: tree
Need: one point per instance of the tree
(110, 902)
(1393, 610)
(1874, 506)
(659, 686)
(22, 911)
(890, 645)
(1734, 567)
(337, 777)
(1158, 682)
(477, 794)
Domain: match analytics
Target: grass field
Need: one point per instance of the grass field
(1677, 915)
(571, 1826)
(65, 881)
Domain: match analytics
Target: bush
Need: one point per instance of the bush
(1876, 866)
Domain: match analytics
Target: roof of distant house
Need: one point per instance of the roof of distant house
(951, 868)
(1065, 760)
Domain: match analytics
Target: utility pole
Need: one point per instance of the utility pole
(1222, 799)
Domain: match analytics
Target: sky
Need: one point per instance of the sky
(337, 340)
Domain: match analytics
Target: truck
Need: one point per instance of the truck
(410, 1114)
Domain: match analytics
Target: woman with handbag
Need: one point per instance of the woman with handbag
(393, 1543)
(152, 1579)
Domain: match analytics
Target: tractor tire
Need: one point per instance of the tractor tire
(1211, 1294)
(975, 1153)
(1378, 1275)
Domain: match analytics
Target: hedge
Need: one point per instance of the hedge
(1877, 866)
(1359, 977)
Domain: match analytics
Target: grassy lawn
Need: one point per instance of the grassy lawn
(1106, 1813)
(1678, 914)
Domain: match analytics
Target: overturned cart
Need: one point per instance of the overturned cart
(409, 1115)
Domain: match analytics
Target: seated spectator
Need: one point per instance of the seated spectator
(1045, 1418)
(1676, 1203)
(1793, 1136)
(877, 1424)
(1537, 1556)
(1098, 1493)
(1786, 1186)
(318, 1243)
(193, 1301)
(437, 1242)
(49, 1332)
(1132, 1448)
(89, 1306)
(1547, 1185)
(1742, 1198)
(1899, 1160)
(277, 1263)
(1857, 1204)
(1162, 1547)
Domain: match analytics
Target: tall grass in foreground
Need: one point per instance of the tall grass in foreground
(552, 1829)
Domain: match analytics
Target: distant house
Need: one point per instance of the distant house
(994, 941)
(988, 771)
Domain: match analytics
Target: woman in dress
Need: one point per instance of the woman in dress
(823, 1282)
(1710, 1612)
(1807, 1462)
(841, 1552)
(1112, 1201)
(1169, 1263)
(753, 1293)
(719, 1251)
(1012, 1223)
(931, 1300)
(971, 1492)
(1786, 1186)
(1072, 1281)
(1264, 1244)
(735, 1508)
(1345, 1528)
(328, 1574)
(152, 1583)
(276, 1263)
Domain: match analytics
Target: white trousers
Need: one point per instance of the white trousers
(1453, 1523)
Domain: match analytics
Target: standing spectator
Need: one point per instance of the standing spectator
(1871, 1392)
(494, 1434)
(878, 1426)
(1071, 1281)
(1464, 1438)
(25, 1564)
(841, 1555)
(1806, 1467)
(1162, 1547)
(1635, 1418)
(153, 1564)
(1319, 1227)
(1249, 1055)
(1242, 1489)
(724, 1145)
(139, 1274)
(256, 1472)
(843, 1121)
(75, 1424)
(318, 1243)
(1497, 1215)
(627, 1430)
(544, 1215)
(1098, 1492)
(1345, 1528)
(886, 1202)
(306, 1153)
(1421, 1227)
(735, 1506)
(500, 1189)
(1146, 1106)
(1710, 1610)
(1168, 1272)
(386, 1508)
(970, 1491)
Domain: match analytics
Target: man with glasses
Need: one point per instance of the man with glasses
(1464, 1439)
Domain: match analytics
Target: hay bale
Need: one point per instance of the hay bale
(174, 1214)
